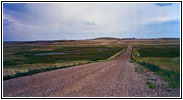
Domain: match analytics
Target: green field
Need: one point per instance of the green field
(162, 56)
(21, 59)
(164, 60)
(62, 54)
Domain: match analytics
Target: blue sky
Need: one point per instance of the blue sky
(57, 21)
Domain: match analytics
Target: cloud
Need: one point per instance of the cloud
(163, 4)
(89, 23)
(83, 20)
(6, 22)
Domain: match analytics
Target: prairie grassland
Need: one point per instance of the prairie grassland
(164, 60)
(22, 57)
(27, 57)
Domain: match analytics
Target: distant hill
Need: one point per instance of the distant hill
(128, 38)
(106, 38)
(168, 38)
(41, 41)
(100, 38)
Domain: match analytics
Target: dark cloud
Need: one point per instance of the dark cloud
(20, 7)
(7, 22)
(163, 4)
(89, 23)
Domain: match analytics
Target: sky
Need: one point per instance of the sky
(74, 21)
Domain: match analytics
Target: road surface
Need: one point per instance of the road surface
(115, 78)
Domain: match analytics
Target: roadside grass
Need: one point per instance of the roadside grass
(165, 63)
(138, 69)
(171, 76)
(167, 66)
(151, 85)
(35, 71)
(27, 67)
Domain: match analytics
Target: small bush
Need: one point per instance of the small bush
(152, 67)
(150, 85)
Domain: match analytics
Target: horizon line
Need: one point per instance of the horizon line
(86, 39)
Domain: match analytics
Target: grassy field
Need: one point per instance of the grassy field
(164, 60)
(26, 58)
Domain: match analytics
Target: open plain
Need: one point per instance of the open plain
(115, 77)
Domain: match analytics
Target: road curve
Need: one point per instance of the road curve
(115, 78)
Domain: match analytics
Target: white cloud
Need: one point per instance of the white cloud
(65, 20)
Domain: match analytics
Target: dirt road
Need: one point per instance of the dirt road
(112, 78)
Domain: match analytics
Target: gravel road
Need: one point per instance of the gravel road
(115, 78)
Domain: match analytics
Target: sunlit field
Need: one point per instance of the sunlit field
(32, 56)
(164, 60)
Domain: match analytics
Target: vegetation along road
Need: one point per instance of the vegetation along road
(116, 77)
